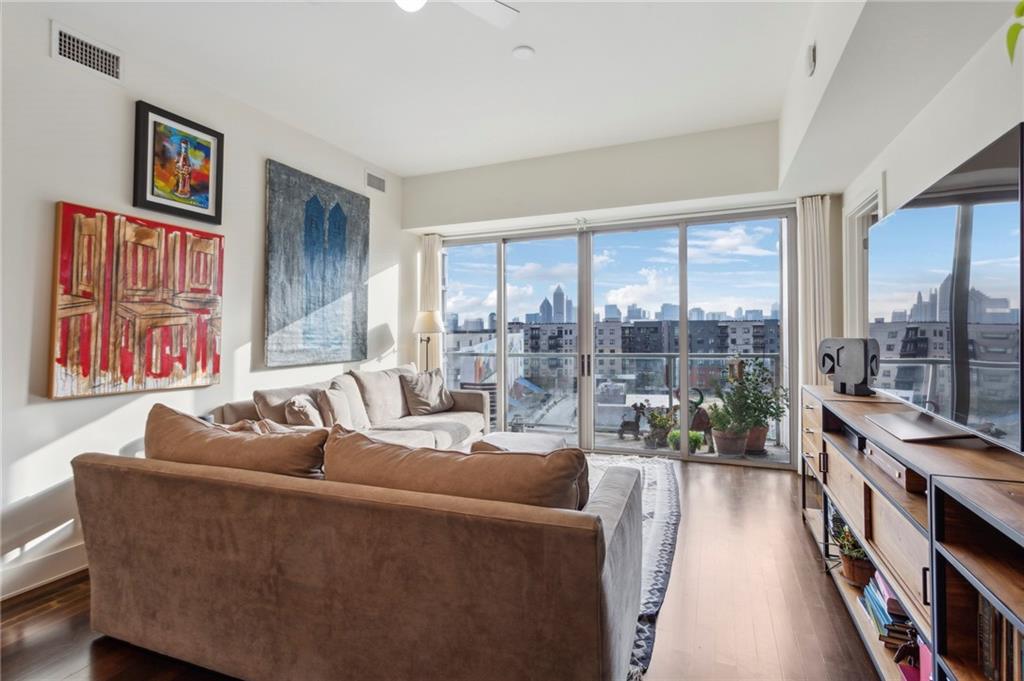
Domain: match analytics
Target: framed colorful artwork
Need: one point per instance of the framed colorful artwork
(318, 237)
(136, 305)
(179, 165)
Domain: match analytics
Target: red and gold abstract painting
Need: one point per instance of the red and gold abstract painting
(136, 305)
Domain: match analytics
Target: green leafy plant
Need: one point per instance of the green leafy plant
(847, 543)
(661, 418)
(764, 401)
(674, 438)
(696, 439)
(722, 419)
(1013, 32)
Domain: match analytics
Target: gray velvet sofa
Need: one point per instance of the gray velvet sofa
(376, 406)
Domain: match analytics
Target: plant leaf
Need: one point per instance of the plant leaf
(1011, 39)
(1019, 10)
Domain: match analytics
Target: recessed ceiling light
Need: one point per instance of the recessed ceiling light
(523, 52)
(411, 5)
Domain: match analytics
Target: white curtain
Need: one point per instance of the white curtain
(430, 296)
(816, 280)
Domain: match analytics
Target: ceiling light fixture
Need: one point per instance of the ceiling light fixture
(523, 52)
(411, 5)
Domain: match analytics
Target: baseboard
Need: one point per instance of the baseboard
(19, 579)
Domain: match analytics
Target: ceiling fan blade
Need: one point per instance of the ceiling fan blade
(494, 12)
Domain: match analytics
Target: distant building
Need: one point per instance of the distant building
(695, 314)
(533, 317)
(492, 321)
(774, 314)
(612, 313)
(570, 311)
(753, 315)
(738, 314)
(897, 316)
(634, 313)
(558, 301)
(546, 312)
(476, 324)
(715, 316)
(452, 321)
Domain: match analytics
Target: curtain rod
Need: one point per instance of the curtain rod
(583, 224)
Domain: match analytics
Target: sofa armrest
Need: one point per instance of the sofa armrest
(617, 501)
(474, 400)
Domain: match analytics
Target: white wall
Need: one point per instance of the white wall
(68, 135)
(981, 102)
(732, 161)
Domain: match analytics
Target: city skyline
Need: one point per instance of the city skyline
(730, 265)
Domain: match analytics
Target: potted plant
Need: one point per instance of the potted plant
(728, 429)
(674, 437)
(661, 422)
(696, 439)
(857, 569)
(765, 401)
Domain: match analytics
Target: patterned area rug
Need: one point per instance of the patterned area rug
(661, 515)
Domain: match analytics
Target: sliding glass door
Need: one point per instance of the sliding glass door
(599, 335)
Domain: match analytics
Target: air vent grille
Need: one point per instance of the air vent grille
(76, 48)
(374, 182)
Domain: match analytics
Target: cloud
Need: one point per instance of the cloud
(657, 288)
(709, 246)
(534, 270)
(603, 258)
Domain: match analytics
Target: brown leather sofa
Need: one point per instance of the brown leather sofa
(263, 576)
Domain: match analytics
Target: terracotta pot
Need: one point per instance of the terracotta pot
(857, 571)
(730, 444)
(756, 439)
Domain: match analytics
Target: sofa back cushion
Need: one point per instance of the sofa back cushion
(552, 479)
(382, 393)
(426, 393)
(173, 436)
(342, 403)
(270, 403)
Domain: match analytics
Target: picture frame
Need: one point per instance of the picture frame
(179, 165)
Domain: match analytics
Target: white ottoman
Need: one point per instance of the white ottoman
(520, 442)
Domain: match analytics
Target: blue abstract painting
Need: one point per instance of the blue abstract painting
(318, 238)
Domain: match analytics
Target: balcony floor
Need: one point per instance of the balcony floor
(610, 442)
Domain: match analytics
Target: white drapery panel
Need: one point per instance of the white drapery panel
(430, 296)
(815, 282)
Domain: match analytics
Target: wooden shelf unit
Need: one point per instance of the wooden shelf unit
(980, 489)
(978, 551)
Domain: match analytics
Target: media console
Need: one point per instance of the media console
(943, 522)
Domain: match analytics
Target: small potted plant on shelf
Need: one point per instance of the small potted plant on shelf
(728, 429)
(857, 569)
(765, 401)
(661, 422)
(696, 439)
(674, 438)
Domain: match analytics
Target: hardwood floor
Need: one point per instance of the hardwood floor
(746, 601)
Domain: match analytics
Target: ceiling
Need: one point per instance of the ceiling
(439, 89)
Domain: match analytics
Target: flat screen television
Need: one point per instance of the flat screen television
(944, 291)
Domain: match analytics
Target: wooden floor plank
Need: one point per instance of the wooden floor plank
(747, 601)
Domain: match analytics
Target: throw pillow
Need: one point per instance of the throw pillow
(382, 393)
(342, 403)
(425, 393)
(552, 479)
(174, 436)
(301, 410)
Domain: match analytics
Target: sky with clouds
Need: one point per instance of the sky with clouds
(899, 264)
(730, 265)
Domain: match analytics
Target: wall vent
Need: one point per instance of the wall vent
(374, 182)
(74, 47)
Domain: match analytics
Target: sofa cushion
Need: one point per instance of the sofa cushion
(173, 436)
(270, 402)
(450, 428)
(406, 438)
(342, 403)
(553, 479)
(382, 393)
(261, 426)
(426, 393)
(301, 410)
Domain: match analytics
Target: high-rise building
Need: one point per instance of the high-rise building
(634, 312)
(715, 316)
(738, 314)
(774, 314)
(696, 314)
(570, 312)
(492, 321)
(558, 300)
(546, 312)
(612, 313)
(669, 313)
(452, 321)
(898, 316)
(533, 317)
(476, 324)
(753, 315)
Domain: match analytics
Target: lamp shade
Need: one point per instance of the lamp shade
(428, 321)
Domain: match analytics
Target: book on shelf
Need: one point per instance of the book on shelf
(1000, 654)
(892, 604)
